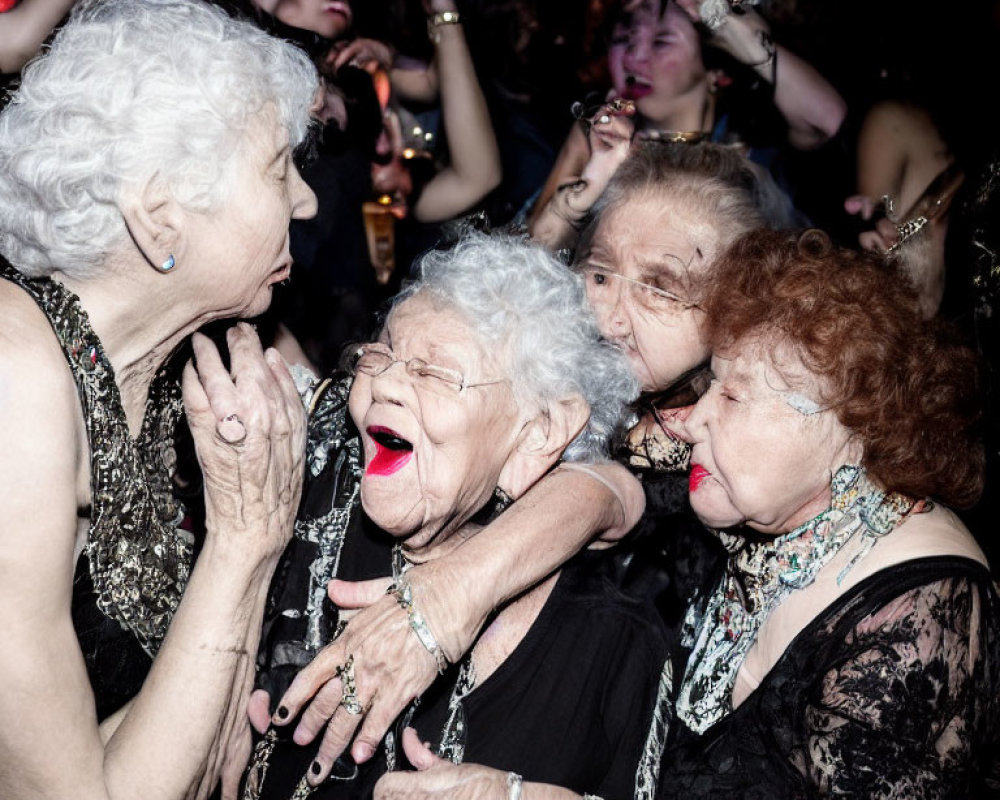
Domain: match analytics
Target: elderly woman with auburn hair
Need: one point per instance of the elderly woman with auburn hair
(851, 645)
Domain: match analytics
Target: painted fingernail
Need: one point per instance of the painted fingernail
(316, 768)
(282, 712)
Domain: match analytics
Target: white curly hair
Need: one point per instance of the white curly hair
(532, 312)
(128, 91)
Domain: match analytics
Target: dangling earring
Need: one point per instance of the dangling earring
(169, 264)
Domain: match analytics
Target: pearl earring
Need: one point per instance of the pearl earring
(169, 264)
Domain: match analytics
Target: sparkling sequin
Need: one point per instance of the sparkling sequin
(139, 559)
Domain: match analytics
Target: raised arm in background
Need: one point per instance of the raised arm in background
(25, 27)
(474, 168)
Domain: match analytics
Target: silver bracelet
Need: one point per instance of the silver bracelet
(714, 13)
(513, 786)
(401, 590)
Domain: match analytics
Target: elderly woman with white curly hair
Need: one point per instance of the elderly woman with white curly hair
(146, 187)
(489, 373)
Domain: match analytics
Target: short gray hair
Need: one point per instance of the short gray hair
(730, 194)
(532, 312)
(128, 91)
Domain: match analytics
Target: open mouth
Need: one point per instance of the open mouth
(392, 451)
(635, 88)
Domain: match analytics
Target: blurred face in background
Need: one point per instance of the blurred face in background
(656, 61)
(331, 19)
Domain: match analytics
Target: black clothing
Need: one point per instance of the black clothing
(134, 567)
(572, 704)
(892, 691)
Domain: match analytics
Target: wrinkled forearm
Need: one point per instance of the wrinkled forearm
(546, 527)
(169, 742)
(546, 791)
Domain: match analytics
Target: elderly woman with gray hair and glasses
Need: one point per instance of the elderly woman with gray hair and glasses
(489, 373)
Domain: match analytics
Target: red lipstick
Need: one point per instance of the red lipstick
(635, 90)
(698, 474)
(392, 452)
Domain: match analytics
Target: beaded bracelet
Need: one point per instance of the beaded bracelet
(401, 590)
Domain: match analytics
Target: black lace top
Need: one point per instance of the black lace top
(136, 562)
(892, 692)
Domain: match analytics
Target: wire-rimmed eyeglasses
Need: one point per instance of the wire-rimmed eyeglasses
(375, 358)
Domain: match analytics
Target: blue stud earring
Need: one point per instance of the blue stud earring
(168, 265)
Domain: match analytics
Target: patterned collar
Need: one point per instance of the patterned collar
(760, 575)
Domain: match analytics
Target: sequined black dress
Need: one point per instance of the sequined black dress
(133, 569)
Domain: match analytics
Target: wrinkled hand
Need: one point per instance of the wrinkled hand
(363, 53)
(248, 426)
(610, 139)
(437, 778)
(391, 666)
(883, 234)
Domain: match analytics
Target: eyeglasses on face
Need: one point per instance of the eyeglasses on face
(643, 294)
(375, 358)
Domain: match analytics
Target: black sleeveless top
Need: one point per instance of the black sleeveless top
(135, 564)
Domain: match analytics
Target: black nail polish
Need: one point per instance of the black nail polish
(282, 712)
(316, 769)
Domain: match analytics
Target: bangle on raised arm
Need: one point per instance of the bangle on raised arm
(714, 13)
(403, 593)
(446, 18)
(439, 20)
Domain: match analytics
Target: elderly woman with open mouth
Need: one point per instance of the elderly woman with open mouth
(489, 371)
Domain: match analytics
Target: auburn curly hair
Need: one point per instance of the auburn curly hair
(908, 388)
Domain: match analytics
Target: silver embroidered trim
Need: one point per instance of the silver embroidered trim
(647, 774)
(453, 736)
(328, 533)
